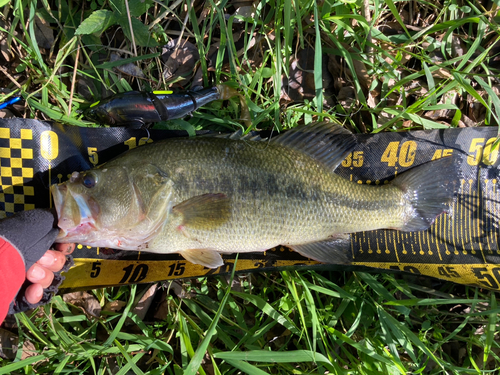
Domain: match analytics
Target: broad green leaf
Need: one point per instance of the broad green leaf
(180, 124)
(142, 36)
(138, 7)
(112, 64)
(97, 22)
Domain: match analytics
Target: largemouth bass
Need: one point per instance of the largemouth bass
(203, 196)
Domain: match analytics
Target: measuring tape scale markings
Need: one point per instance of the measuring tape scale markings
(106, 272)
(481, 275)
(469, 237)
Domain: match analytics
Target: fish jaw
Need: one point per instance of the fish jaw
(76, 220)
(80, 217)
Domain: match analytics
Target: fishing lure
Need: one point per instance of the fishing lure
(136, 109)
(10, 102)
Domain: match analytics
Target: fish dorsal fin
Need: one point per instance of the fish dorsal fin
(327, 142)
(238, 135)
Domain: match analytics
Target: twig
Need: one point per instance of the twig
(365, 12)
(184, 26)
(4, 71)
(130, 26)
(75, 69)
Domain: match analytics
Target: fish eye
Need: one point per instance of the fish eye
(89, 180)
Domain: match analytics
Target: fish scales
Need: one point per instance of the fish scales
(278, 195)
(218, 195)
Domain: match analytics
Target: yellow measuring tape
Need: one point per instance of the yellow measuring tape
(461, 247)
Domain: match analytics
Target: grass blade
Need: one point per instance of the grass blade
(195, 363)
(267, 309)
(121, 322)
(245, 367)
(318, 62)
(291, 356)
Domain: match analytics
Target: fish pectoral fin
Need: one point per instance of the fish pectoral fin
(334, 250)
(204, 212)
(205, 257)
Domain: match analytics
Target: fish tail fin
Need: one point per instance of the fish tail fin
(430, 189)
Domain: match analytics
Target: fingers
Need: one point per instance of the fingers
(52, 260)
(40, 275)
(65, 248)
(34, 293)
(42, 272)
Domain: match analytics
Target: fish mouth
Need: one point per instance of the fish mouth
(75, 219)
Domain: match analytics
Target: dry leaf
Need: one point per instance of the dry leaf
(346, 96)
(466, 122)
(245, 12)
(164, 310)
(5, 113)
(372, 100)
(443, 114)
(114, 306)
(29, 350)
(43, 33)
(84, 301)
(130, 68)
(457, 46)
(178, 288)
(239, 3)
(144, 303)
(6, 50)
(383, 118)
(180, 59)
(300, 83)
(8, 344)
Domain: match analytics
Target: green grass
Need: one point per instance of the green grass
(399, 66)
(280, 323)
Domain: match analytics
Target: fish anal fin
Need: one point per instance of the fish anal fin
(334, 250)
(326, 142)
(207, 258)
(204, 212)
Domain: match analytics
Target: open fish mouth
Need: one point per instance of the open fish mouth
(75, 219)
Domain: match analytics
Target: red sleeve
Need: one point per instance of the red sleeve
(12, 275)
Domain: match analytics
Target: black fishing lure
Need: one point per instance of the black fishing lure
(135, 109)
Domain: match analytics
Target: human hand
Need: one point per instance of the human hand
(41, 274)
(30, 234)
